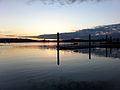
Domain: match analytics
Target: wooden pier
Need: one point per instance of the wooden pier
(88, 44)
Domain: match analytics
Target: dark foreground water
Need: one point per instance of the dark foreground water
(34, 66)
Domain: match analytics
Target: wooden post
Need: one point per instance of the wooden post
(106, 38)
(106, 45)
(58, 40)
(89, 46)
(110, 39)
(110, 44)
(58, 57)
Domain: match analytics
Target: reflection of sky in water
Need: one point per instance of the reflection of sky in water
(20, 66)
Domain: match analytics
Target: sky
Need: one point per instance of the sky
(21, 17)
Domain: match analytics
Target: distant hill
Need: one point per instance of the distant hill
(96, 33)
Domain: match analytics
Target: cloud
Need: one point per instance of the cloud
(63, 2)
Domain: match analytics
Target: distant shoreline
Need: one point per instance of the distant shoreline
(19, 40)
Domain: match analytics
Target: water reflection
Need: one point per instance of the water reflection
(58, 57)
(33, 67)
(102, 52)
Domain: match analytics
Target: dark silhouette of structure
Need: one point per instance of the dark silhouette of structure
(89, 46)
(58, 46)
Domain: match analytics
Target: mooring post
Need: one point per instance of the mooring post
(110, 39)
(89, 46)
(58, 46)
(106, 38)
(106, 44)
(58, 40)
(110, 44)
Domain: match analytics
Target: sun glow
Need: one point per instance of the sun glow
(20, 19)
(53, 26)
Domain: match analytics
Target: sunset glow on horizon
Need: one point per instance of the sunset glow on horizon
(21, 19)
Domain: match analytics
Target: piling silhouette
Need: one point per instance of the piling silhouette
(58, 47)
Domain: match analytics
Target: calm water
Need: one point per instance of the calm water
(33, 66)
